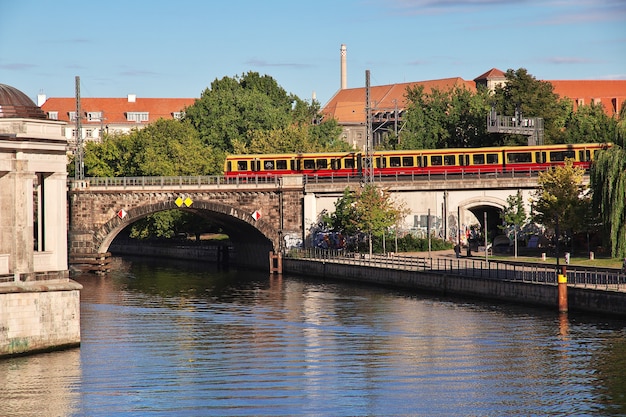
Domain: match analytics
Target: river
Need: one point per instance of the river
(165, 338)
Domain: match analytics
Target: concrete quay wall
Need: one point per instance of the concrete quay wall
(579, 299)
(39, 316)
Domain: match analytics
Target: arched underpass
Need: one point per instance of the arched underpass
(249, 241)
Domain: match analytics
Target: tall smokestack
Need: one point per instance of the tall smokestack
(344, 72)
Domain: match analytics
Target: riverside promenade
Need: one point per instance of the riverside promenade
(593, 290)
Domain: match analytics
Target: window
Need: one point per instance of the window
(381, 162)
(492, 158)
(436, 160)
(137, 116)
(559, 156)
(519, 157)
(72, 116)
(89, 133)
(268, 165)
(478, 159)
(407, 161)
(53, 115)
(322, 164)
(394, 161)
(281, 164)
(94, 116)
(348, 163)
(177, 115)
(449, 160)
(242, 165)
(309, 164)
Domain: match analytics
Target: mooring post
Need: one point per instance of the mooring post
(562, 283)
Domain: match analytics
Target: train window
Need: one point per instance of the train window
(256, 165)
(348, 163)
(407, 161)
(540, 157)
(464, 160)
(294, 165)
(557, 156)
(584, 155)
(229, 166)
(281, 164)
(381, 162)
(478, 159)
(394, 161)
(449, 160)
(321, 163)
(519, 157)
(309, 164)
(268, 165)
(492, 158)
(242, 165)
(436, 160)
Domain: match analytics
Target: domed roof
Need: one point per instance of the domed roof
(15, 104)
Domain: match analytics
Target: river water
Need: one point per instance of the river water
(179, 339)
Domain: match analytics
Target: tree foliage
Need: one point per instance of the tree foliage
(164, 148)
(608, 183)
(590, 124)
(370, 210)
(453, 118)
(561, 197)
(234, 113)
(533, 98)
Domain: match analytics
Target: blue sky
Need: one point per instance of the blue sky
(156, 48)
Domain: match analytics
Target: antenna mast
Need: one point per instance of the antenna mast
(79, 166)
(368, 165)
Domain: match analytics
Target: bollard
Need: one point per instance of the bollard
(562, 285)
(591, 256)
(543, 256)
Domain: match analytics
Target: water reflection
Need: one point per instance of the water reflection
(183, 339)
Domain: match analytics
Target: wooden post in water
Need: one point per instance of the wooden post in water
(562, 283)
(276, 263)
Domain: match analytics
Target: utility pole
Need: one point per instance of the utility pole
(79, 165)
(368, 163)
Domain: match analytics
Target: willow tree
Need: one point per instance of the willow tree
(608, 184)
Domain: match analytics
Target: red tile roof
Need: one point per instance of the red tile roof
(114, 110)
(348, 105)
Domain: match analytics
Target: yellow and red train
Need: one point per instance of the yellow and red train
(415, 162)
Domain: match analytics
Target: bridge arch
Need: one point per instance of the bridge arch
(252, 239)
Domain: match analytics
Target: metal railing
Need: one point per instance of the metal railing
(471, 268)
(200, 180)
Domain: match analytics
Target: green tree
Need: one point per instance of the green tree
(590, 124)
(532, 98)
(608, 183)
(368, 210)
(452, 118)
(514, 215)
(561, 197)
(234, 112)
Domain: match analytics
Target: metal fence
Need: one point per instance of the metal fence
(173, 181)
(472, 268)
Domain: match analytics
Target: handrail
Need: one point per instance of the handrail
(469, 267)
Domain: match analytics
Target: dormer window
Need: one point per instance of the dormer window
(53, 115)
(72, 115)
(94, 116)
(137, 116)
(177, 115)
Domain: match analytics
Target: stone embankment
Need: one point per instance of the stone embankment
(465, 282)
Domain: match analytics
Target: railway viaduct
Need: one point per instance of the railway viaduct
(271, 215)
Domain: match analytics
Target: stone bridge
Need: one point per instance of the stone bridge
(265, 216)
(256, 215)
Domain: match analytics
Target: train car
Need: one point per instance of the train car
(416, 162)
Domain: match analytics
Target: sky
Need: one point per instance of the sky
(167, 49)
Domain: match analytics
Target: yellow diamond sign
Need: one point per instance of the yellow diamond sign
(188, 201)
(179, 201)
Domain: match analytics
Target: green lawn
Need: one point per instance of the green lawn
(580, 261)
